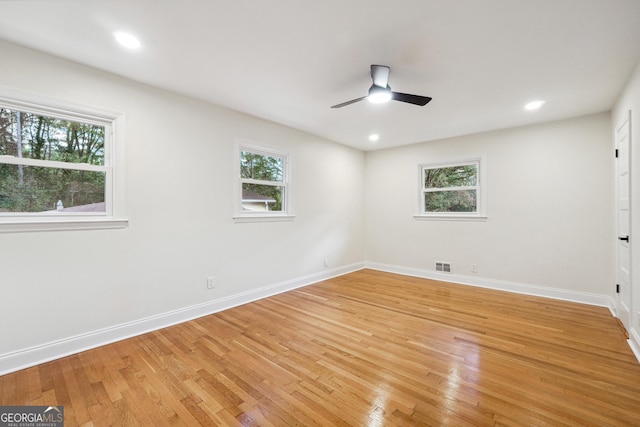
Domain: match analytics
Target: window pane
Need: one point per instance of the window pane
(258, 166)
(33, 189)
(261, 198)
(33, 136)
(450, 201)
(454, 176)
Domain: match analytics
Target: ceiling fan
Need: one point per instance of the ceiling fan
(380, 91)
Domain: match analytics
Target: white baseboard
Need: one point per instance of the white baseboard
(25, 358)
(520, 288)
(634, 342)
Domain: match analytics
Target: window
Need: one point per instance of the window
(263, 183)
(451, 190)
(56, 167)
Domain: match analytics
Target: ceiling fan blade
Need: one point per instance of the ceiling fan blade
(348, 102)
(380, 75)
(411, 99)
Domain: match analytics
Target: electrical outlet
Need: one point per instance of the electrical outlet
(474, 268)
(211, 282)
(326, 262)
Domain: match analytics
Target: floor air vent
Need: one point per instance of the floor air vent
(444, 267)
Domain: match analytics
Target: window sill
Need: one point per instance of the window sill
(479, 218)
(263, 218)
(62, 225)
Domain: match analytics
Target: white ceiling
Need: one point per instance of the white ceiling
(288, 61)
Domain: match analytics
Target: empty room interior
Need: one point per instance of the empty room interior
(321, 213)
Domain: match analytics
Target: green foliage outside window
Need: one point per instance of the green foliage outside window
(453, 176)
(36, 189)
(450, 189)
(451, 201)
(267, 169)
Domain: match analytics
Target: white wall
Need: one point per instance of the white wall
(630, 100)
(550, 215)
(57, 286)
(550, 208)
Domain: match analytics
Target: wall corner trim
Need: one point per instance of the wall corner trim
(25, 358)
(634, 342)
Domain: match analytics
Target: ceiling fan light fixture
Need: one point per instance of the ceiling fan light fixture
(379, 95)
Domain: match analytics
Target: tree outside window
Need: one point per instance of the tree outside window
(450, 189)
(263, 181)
(49, 164)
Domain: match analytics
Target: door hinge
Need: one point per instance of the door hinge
(617, 288)
(616, 153)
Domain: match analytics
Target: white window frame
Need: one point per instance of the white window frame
(267, 216)
(113, 167)
(481, 192)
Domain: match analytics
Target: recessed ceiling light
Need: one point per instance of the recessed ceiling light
(374, 137)
(127, 40)
(534, 105)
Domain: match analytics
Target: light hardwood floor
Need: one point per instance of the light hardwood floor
(365, 349)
